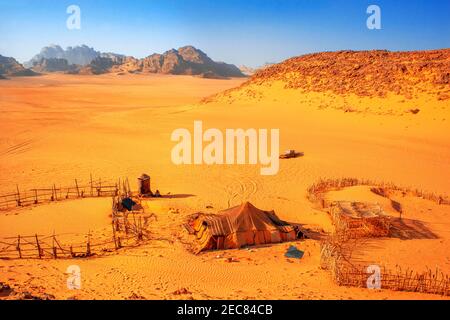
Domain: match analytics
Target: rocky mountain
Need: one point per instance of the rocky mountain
(84, 60)
(9, 67)
(116, 58)
(362, 73)
(52, 65)
(99, 65)
(78, 55)
(249, 71)
(184, 61)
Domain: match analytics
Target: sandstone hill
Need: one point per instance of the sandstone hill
(184, 61)
(361, 73)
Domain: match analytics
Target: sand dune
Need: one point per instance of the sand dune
(59, 127)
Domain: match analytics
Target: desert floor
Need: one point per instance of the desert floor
(56, 128)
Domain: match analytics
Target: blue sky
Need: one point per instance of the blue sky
(250, 32)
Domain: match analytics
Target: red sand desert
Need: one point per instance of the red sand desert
(59, 127)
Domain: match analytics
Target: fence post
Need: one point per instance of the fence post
(129, 189)
(18, 247)
(78, 190)
(19, 203)
(38, 247)
(54, 247)
(35, 197)
(114, 235)
(141, 235)
(88, 245)
(92, 190)
(125, 223)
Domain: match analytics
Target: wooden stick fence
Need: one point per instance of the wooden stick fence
(45, 247)
(95, 188)
(335, 259)
(125, 232)
(316, 191)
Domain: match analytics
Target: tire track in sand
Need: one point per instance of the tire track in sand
(242, 188)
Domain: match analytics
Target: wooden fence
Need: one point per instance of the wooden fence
(335, 258)
(42, 247)
(51, 193)
(316, 192)
(128, 227)
(126, 232)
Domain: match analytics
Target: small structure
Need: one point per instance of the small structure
(144, 185)
(289, 154)
(241, 226)
(359, 219)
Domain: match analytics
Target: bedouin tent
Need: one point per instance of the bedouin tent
(241, 226)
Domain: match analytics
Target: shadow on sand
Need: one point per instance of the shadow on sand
(408, 229)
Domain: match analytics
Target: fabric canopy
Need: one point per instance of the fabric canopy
(241, 226)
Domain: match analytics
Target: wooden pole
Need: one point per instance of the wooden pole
(19, 203)
(78, 190)
(114, 236)
(88, 245)
(18, 247)
(38, 247)
(92, 190)
(129, 189)
(125, 223)
(140, 228)
(117, 224)
(54, 247)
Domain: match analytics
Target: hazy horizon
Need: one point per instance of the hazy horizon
(249, 33)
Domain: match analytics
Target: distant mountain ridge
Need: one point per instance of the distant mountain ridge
(52, 65)
(249, 71)
(186, 60)
(9, 67)
(79, 55)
